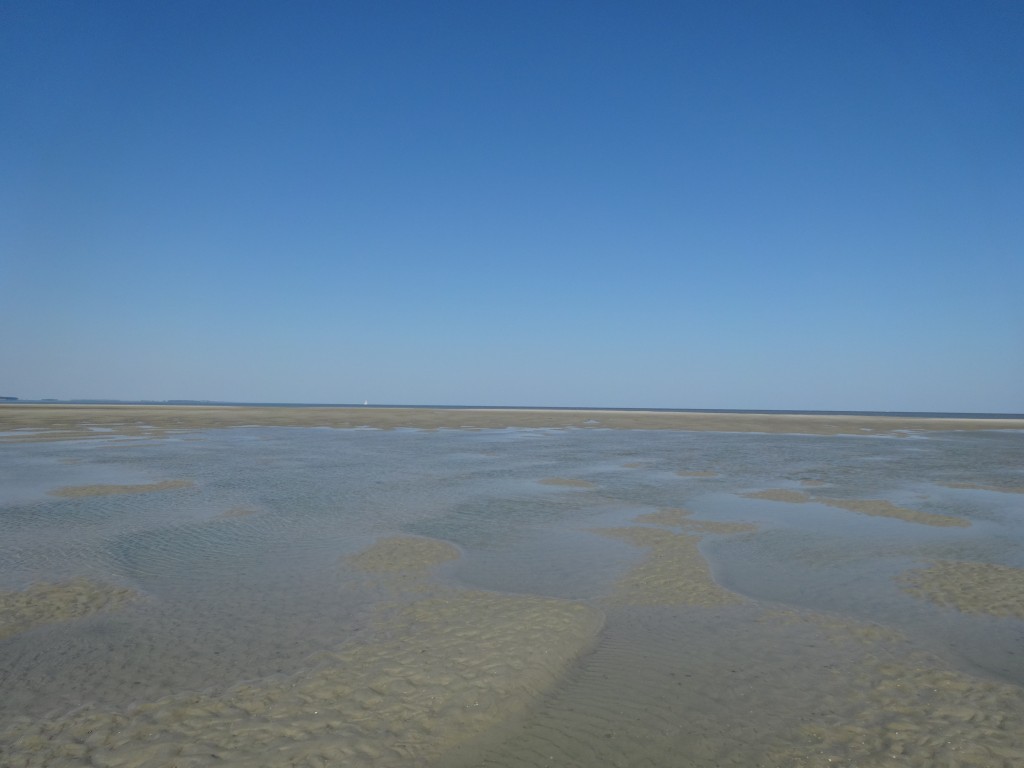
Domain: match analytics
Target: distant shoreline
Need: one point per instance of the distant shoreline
(25, 421)
(602, 409)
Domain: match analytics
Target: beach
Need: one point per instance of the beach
(199, 586)
(76, 421)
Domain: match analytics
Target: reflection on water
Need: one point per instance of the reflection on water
(232, 556)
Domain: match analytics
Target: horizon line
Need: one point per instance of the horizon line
(256, 404)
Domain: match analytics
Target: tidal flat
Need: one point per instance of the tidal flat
(236, 587)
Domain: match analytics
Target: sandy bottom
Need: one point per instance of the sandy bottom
(569, 482)
(683, 518)
(273, 635)
(979, 588)
(873, 507)
(239, 512)
(740, 696)
(404, 556)
(675, 572)
(980, 487)
(48, 603)
(79, 491)
(896, 707)
(720, 681)
(444, 665)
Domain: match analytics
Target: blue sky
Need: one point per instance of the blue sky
(697, 205)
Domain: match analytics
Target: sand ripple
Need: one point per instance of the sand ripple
(675, 573)
(438, 672)
(49, 603)
(873, 507)
(681, 518)
(908, 711)
(404, 554)
(980, 588)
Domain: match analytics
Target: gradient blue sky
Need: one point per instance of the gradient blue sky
(807, 205)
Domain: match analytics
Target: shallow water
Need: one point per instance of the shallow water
(246, 577)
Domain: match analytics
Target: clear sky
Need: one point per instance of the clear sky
(793, 205)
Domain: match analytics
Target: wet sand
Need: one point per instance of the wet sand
(78, 491)
(567, 482)
(874, 507)
(844, 693)
(981, 487)
(662, 661)
(69, 422)
(895, 706)
(674, 572)
(42, 603)
(443, 665)
(979, 588)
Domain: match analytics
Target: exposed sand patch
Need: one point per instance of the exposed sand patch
(881, 508)
(48, 603)
(675, 573)
(979, 588)
(65, 422)
(696, 473)
(404, 554)
(569, 482)
(903, 708)
(436, 673)
(78, 491)
(812, 483)
(979, 487)
(681, 518)
(780, 494)
(873, 507)
(633, 465)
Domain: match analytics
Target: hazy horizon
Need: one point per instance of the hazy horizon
(492, 406)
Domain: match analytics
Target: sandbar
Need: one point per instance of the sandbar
(69, 422)
(674, 572)
(568, 482)
(681, 518)
(872, 507)
(980, 487)
(78, 491)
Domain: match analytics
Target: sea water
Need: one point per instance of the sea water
(806, 643)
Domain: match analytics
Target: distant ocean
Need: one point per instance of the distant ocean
(894, 414)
